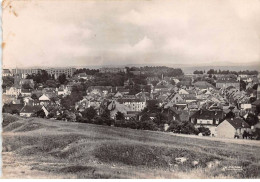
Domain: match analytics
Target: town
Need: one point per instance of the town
(216, 103)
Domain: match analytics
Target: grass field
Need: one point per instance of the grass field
(41, 148)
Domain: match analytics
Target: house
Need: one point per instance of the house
(19, 81)
(143, 95)
(189, 98)
(62, 90)
(99, 90)
(27, 100)
(44, 99)
(231, 128)
(112, 70)
(173, 99)
(84, 76)
(228, 83)
(13, 91)
(159, 88)
(7, 99)
(133, 104)
(120, 89)
(173, 113)
(6, 72)
(87, 102)
(26, 92)
(29, 110)
(115, 107)
(131, 115)
(208, 119)
(183, 92)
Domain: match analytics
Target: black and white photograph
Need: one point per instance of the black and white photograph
(130, 89)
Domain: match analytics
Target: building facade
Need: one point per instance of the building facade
(56, 72)
(227, 83)
(112, 70)
(25, 71)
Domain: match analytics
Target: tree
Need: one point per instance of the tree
(51, 83)
(26, 86)
(175, 126)
(229, 115)
(120, 116)
(40, 113)
(188, 128)
(148, 125)
(51, 115)
(62, 78)
(145, 117)
(89, 113)
(34, 96)
(256, 133)
(69, 101)
(105, 114)
(211, 71)
(242, 85)
(251, 119)
(197, 72)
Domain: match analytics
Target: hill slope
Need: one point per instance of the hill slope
(56, 149)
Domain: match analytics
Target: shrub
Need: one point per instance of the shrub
(59, 118)
(182, 127)
(15, 111)
(51, 115)
(204, 131)
(256, 134)
(148, 125)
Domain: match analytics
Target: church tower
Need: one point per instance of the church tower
(258, 92)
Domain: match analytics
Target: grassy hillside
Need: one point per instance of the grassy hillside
(56, 149)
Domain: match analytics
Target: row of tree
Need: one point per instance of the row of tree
(212, 71)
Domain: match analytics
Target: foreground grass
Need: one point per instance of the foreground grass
(77, 150)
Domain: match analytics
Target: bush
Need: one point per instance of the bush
(148, 125)
(204, 131)
(256, 134)
(188, 128)
(59, 118)
(51, 115)
(182, 127)
(15, 111)
(175, 126)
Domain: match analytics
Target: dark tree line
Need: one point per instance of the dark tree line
(87, 71)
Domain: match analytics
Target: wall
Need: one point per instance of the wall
(225, 130)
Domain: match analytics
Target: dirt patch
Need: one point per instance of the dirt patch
(75, 169)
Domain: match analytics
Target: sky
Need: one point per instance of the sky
(56, 33)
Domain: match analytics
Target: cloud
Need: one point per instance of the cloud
(82, 33)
